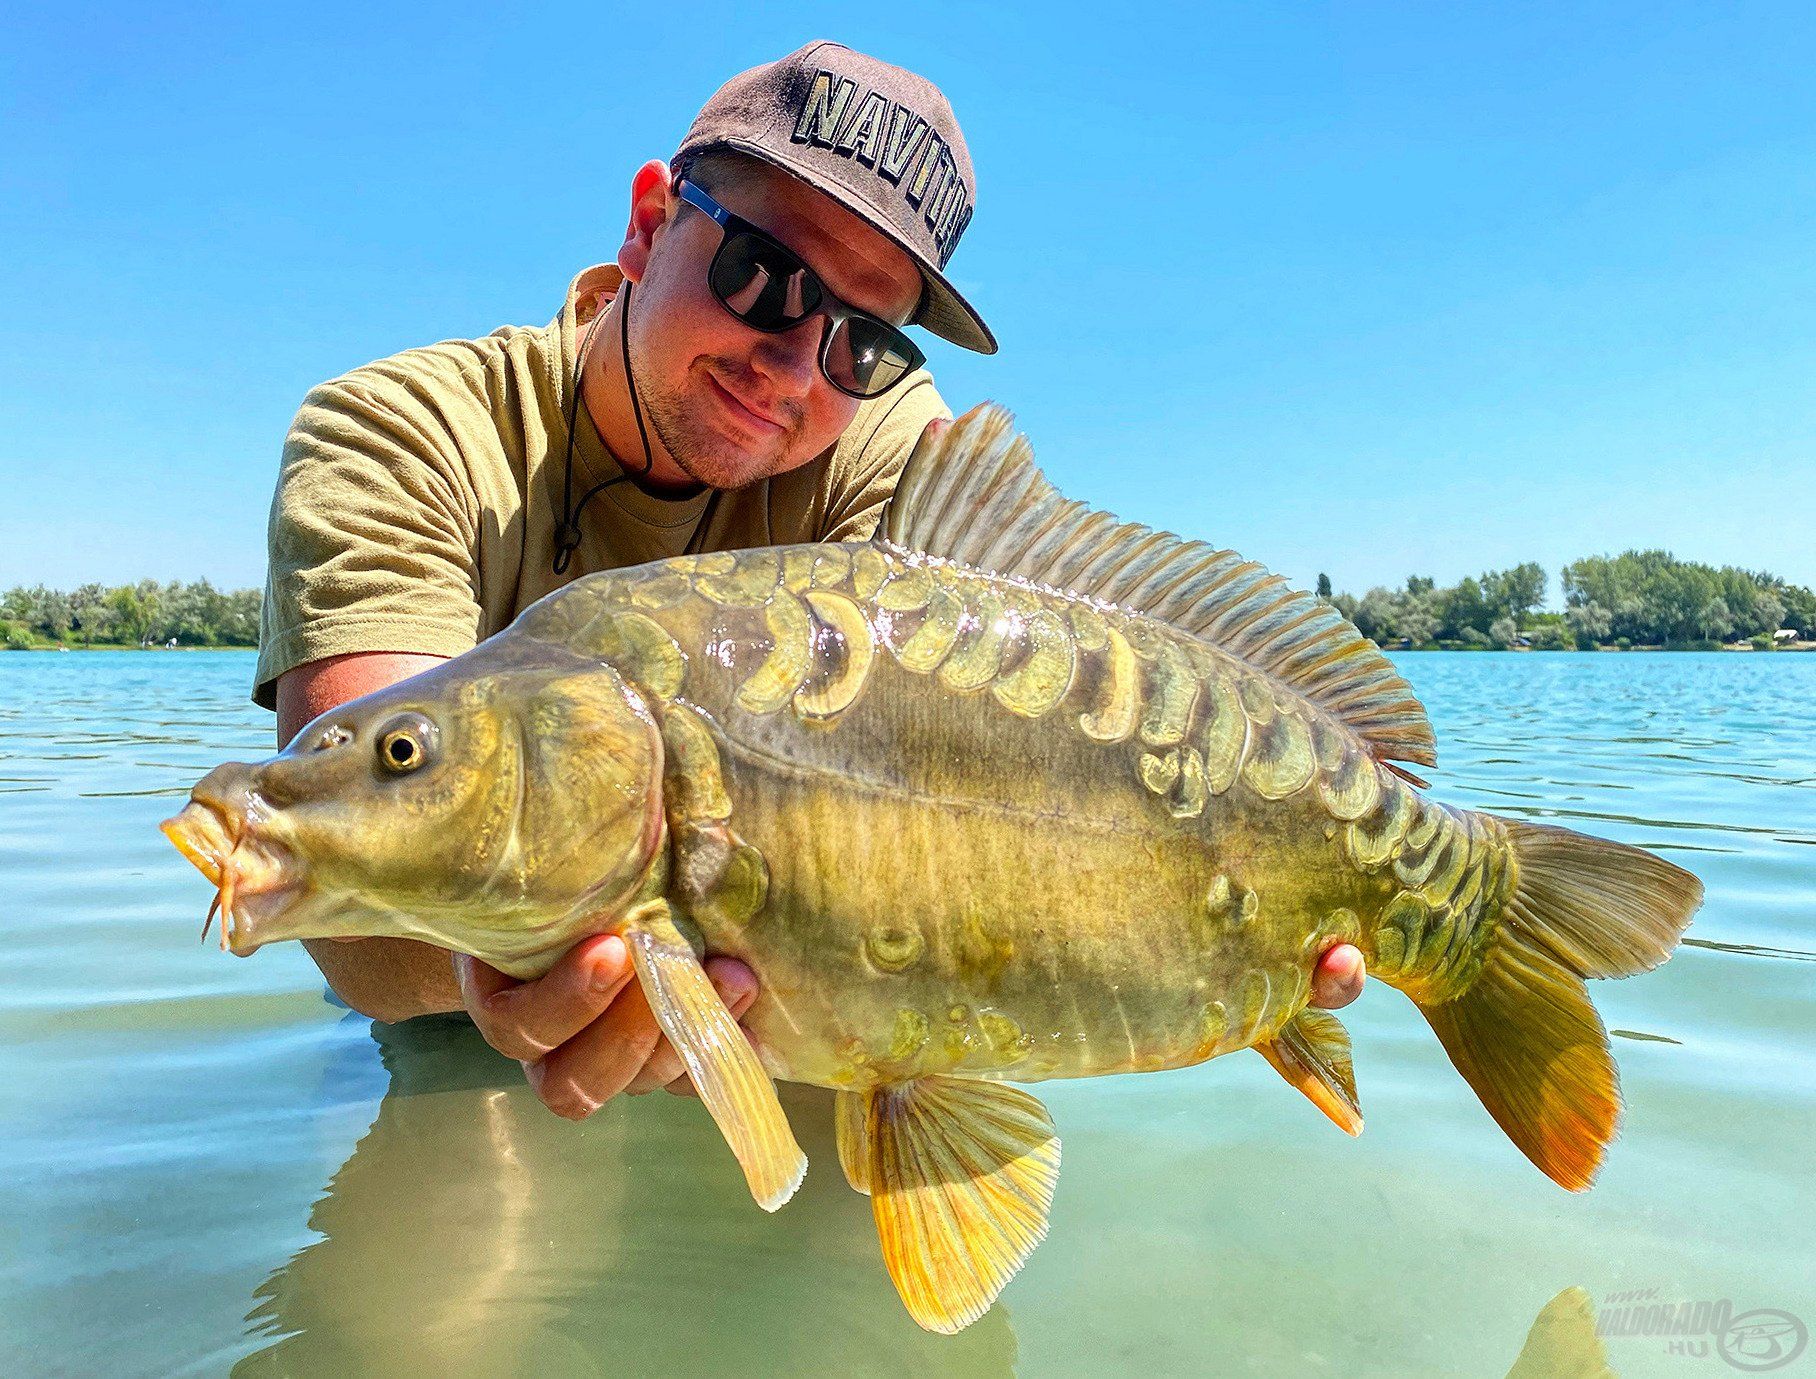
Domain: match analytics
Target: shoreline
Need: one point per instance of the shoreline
(1608, 650)
(104, 646)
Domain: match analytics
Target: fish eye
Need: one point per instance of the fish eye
(405, 743)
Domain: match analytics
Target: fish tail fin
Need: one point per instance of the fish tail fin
(1524, 1034)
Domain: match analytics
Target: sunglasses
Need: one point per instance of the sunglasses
(769, 289)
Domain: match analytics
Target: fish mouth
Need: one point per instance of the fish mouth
(249, 873)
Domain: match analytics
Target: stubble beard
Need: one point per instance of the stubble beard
(679, 419)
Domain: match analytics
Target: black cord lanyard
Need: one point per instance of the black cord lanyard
(567, 534)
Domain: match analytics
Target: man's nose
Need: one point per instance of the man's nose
(790, 359)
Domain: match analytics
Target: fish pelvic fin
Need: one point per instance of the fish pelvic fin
(737, 1090)
(971, 493)
(961, 1175)
(849, 1110)
(1524, 1033)
(1312, 1054)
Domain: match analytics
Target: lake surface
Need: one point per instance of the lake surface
(209, 1168)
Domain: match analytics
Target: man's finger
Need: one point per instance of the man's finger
(1337, 980)
(599, 1062)
(737, 987)
(525, 1020)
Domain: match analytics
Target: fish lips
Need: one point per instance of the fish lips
(253, 875)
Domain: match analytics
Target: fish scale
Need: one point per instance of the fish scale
(1110, 692)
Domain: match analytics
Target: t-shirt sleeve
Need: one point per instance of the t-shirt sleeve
(869, 460)
(372, 537)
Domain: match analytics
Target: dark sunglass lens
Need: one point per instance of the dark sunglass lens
(869, 357)
(762, 285)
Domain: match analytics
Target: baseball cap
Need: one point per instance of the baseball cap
(877, 139)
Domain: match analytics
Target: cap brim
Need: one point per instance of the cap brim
(943, 311)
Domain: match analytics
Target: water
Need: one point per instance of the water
(209, 1168)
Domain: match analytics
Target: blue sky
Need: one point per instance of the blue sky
(1366, 289)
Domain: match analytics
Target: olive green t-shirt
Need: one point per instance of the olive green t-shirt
(418, 497)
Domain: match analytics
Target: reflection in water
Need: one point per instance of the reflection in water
(170, 1115)
(1562, 1343)
(472, 1231)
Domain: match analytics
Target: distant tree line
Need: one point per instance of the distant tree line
(1639, 598)
(142, 614)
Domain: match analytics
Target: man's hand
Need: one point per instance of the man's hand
(1337, 979)
(583, 1031)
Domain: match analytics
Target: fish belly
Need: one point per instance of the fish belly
(906, 937)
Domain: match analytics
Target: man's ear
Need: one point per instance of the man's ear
(649, 213)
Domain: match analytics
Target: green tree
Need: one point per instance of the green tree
(1375, 616)
(1590, 621)
(1418, 619)
(1768, 612)
(1515, 592)
(48, 612)
(195, 614)
(134, 609)
(240, 618)
(93, 614)
(1652, 597)
(1799, 610)
(1716, 621)
(1552, 636)
(1464, 607)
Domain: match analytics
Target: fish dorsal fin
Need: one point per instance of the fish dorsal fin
(971, 493)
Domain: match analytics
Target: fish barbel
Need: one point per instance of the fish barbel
(1014, 792)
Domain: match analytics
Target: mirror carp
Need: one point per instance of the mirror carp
(1015, 791)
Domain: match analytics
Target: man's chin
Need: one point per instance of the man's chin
(720, 457)
(714, 446)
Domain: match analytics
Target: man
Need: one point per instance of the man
(738, 379)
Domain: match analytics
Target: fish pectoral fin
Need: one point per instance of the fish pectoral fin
(737, 1090)
(1312, 1053)
(854, 1150)
(961, 1177)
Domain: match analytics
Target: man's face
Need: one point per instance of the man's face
(730, 404)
